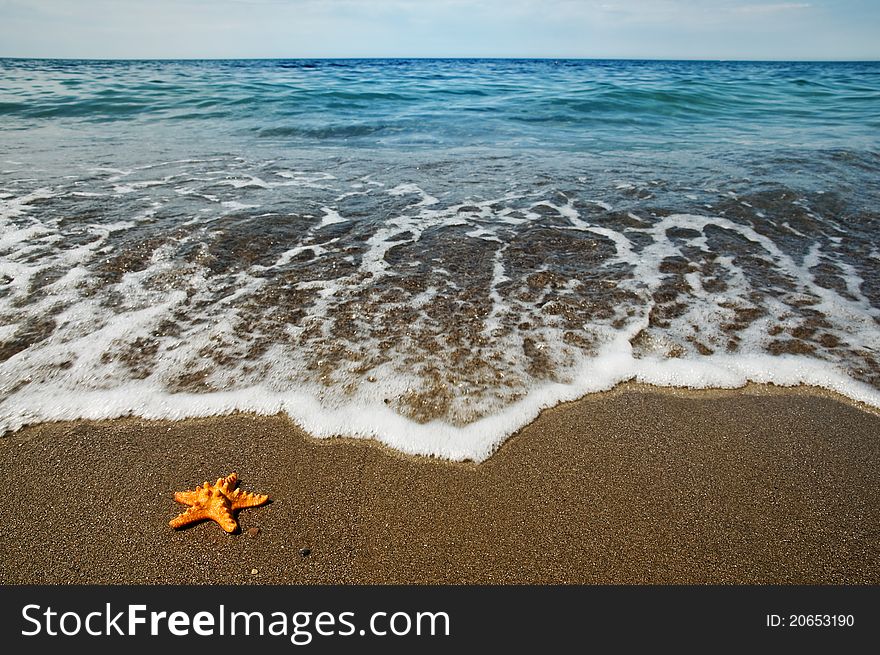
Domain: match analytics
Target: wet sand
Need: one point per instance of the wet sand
(638, 485)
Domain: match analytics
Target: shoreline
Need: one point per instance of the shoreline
(636, 485)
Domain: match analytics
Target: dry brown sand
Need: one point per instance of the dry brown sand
(635, 486)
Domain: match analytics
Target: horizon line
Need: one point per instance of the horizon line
(442, 58)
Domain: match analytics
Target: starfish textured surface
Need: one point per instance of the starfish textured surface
(217, 502)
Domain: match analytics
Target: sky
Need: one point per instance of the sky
(650, 29)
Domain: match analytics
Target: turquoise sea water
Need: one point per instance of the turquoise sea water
(564, 105)
(430, 251)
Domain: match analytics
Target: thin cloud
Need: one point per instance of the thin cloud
(771, 8)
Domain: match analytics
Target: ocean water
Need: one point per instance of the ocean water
(429, 252)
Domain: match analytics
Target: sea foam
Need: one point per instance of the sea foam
(369, 348)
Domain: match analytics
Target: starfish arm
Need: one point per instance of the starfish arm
(223, 516)
(228, 483)
(192, 515)
(241, 499)
(186, 497)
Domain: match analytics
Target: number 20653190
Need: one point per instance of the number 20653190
(810, 621)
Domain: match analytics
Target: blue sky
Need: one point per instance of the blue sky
(688, 29)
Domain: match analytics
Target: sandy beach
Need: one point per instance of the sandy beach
(638, 485)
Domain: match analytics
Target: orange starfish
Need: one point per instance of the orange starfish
(216, 502)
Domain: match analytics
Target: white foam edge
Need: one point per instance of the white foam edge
(475, 441)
